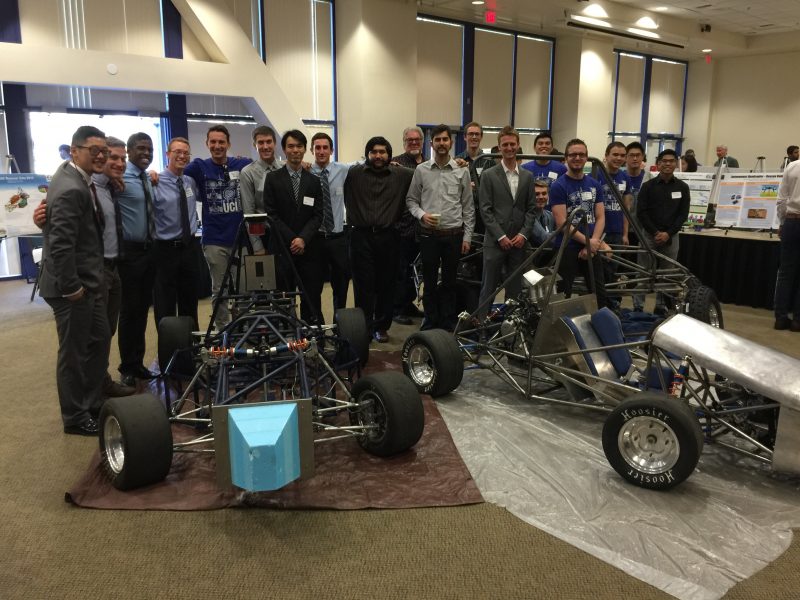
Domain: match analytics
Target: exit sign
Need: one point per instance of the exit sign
(490, 16)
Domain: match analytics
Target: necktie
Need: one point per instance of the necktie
(99, 217)
(296, 186)
(148, 204)
(118, 225)
(327, 209)
(186, 229)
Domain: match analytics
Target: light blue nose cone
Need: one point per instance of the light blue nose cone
(264, 446)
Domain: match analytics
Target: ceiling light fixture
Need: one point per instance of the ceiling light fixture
(661, 8)
(644, 33)
(477, 1)
(706, 50)
(590, 21)
(596, 11)
(647, 23)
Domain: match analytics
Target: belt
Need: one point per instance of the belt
(330, 235)
(110, 262)
(374, 228)
(137, 245)
(792, 216)
(442, 232)
(176, 243)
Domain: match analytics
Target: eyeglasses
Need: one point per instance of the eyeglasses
(577, 155)
(95, 150)
(412, 141)
(474, 135)
(181, 153)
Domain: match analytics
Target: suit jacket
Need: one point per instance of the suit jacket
(292, 218)
(504, 215)
(72, 255)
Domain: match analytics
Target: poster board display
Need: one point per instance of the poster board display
(20, 194)
(748, 200)
(700, 187)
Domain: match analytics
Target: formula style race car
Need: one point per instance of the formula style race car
(260, 393)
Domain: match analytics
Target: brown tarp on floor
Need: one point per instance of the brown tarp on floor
(430, 474)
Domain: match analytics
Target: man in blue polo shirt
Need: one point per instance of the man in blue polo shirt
(549, 170)
(217, 180)
(572, 190)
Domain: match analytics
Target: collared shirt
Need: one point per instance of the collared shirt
(166, 207)
(337, 173)
(109, 207)
(132, 205)
(663, 205)
(789, 191)
(446, 191)
(407, 160)
(512, 176)
(84, 175)
(251, 184)
(376, 197)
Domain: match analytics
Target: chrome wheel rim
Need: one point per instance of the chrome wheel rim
(371, 415)
(648, 445)
(113, 444)
(713, 317)
(420, 365)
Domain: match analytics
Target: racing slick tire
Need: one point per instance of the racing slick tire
(653, 440)
(135, 441)
(390, 402)
(701, 303)
(351, 325)
(433, 361)
(175, 333)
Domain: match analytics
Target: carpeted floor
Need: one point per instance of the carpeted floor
(49, 548)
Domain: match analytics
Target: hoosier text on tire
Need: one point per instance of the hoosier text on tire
(433, 361)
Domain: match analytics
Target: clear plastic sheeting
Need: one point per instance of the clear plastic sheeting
(545, 463)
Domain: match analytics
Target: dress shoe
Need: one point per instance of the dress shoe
(88, 427)
(129, 377)
(794, 325)
(381, 336)
(412, 311)
(782, 323)
(113, 389)
(128, 380)
(402, 320)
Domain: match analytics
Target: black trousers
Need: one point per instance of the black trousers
(83, 344)
(336, 262)
(439, 300)
(374, 261)
(177, 274)
(137, 274)
(405, 291)
(571, 264)
(310, 269)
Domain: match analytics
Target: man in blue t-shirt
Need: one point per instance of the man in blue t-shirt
(549, 170)
(637, 175)
(616, 230)
(572, 190)
(217, 180)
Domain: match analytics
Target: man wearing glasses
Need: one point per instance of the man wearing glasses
(72, 280)
(474, 158)
(176, 247)
(217, 180)
(662, 208)
(574, 190)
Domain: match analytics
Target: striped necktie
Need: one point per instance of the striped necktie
(327, 209)
(296, 186)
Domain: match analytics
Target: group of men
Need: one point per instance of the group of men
(119, 239)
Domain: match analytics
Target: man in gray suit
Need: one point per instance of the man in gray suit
(72, 281)
(508, 208)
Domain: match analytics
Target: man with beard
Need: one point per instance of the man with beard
(440, 198)
(252, 181)
(136, 267)
(217, 180)
(375, 198)
(72, 281)
(176, 247)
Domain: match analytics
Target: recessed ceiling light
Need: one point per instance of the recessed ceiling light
(590, 21)
(647, 23)
(706, 49)
(661, 8)
(643, 32)
(595, 10)
(477, 1)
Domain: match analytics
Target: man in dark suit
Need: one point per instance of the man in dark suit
(508, 207)
(293, 198)
(72, 281)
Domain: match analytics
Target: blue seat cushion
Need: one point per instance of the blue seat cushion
(609, 329)
(581, 343)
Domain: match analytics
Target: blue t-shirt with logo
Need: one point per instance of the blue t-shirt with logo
(218, 188)
(614, 215)
(572, 193)
(551, 171)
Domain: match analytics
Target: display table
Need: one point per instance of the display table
(741, 267)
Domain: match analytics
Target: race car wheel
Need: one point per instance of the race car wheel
(433, 361)
(352, 327)
(175, 333)
(653, 441)
(135, 441)
(390, 409)
(701, 303)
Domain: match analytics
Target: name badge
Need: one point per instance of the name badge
(586, 195)
(234, 175)
(676, 194)
(552, 175)
(308, 201)
(479, 170)
(622, 186)
(189, 193)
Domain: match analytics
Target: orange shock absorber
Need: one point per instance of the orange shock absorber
(220, 352)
